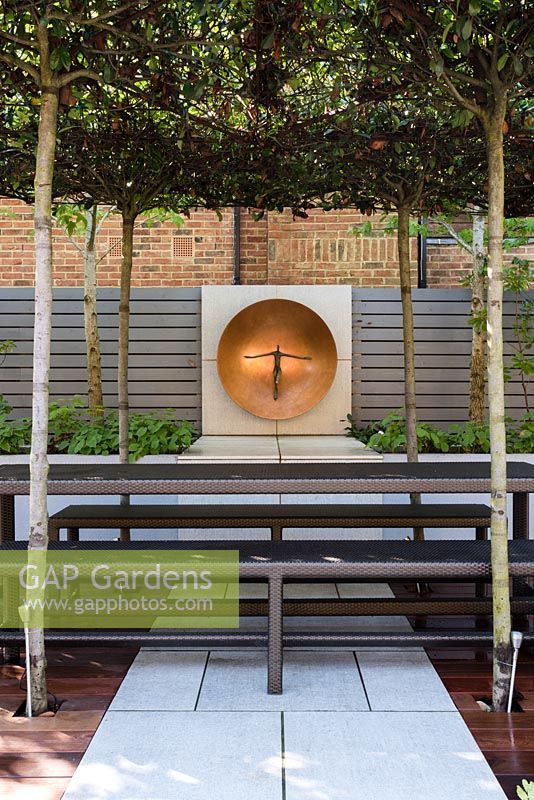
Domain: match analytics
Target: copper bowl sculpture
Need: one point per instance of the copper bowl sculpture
(277, 359)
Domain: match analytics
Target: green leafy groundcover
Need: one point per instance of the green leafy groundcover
(389, 436)
(72, 430)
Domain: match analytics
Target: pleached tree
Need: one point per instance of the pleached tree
(48, 56)
(139, 164)
(396, 157)
(477, 55)
(81, 224)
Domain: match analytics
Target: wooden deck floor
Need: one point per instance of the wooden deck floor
(507, 740)
(37, 757)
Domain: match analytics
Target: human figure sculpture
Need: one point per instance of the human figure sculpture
(278, 355)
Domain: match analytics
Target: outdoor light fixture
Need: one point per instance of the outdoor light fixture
(517, 641)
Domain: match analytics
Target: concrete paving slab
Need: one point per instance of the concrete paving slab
(402, 681)
(357, 534)
(346, 498)
(141, 755)
(403, 756)
(225, 534)
(357, 590)
(232, 449)
(328, 449)
(161, 681)
(346, 623)
(318, 681)
(333, 534)
(292, 591)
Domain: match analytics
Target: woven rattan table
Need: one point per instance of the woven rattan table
(183, 479)
(186, 479)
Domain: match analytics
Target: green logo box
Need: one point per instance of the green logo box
(120, 589)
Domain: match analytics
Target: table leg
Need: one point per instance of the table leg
(275, 653)
(520, 523)
(520, 515)
(10, 655)
(481, 535)
(7, 518)
(124, 535)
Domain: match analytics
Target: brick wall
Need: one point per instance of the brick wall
(321, 250)
(448, 264)
(164, 255)
(275, 249)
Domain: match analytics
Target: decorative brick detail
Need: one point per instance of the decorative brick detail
(275, 249)
(182, 246)
(115, 247)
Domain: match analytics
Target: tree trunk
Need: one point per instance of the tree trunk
(410, 402)
(499, 529)
(92, 338)
(124, 336)
(38, 534)
(478, 342)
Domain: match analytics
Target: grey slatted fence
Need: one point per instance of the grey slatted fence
(164, 348)
(442, 354)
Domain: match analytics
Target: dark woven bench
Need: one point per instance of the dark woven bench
(278, 562)
(276, 517)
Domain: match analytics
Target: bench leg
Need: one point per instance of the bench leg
(481, 534)
(53, 533)
(276, 532)
(9, 655)
(73, 534)
(275, 644)
(124, 535)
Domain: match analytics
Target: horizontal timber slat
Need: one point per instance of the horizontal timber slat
(442, 346)
(165, 332)
(429, 400)
(165, 350)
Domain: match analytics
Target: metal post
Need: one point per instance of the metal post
(236, 277)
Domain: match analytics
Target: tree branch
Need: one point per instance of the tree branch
(106, 214)
(473, 107)
(19, 40)
(71, 239)
(56, 14)
(20, 64)
(452, 233)
(70, 77)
